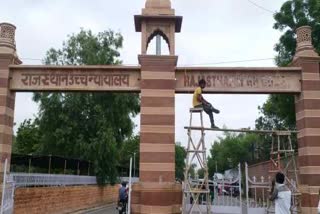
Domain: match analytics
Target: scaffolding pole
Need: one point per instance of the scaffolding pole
(282, 158)
(281, 149)
(196, 153)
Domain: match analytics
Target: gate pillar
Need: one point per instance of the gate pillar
(157, 191)
(8, 57)
(308, 120)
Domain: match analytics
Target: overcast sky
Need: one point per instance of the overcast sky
(213, 31)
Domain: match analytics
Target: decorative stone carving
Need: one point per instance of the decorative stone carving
(7, 31)
(304, 34)
(304, 42)
(162, 30)
(158, 18)
(152, 27)
(7, 34)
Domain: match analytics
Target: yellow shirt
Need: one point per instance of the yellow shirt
(195, 101)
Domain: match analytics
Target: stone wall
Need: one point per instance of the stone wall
(263, 169)
(50, 200)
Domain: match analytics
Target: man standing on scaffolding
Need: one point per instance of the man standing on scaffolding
(199, 102)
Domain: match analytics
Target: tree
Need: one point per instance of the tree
(192, 170)
(89, 126)
(200, 173)
(292, 15)
(129, 149)
(27, 140)
(103, 152)
(180, 157)
(279, 110)
(231, 149)
(278, 113)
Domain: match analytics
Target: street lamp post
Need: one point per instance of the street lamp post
(134, 164)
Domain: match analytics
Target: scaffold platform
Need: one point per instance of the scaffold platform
(277, 132)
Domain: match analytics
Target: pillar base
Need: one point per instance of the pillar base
(158, 198)
(309, 200)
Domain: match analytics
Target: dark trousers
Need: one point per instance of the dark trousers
(207, 108)
(124, 200)
(124, 204)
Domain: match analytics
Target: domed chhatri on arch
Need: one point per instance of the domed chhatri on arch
(158, 18)
(158, 7)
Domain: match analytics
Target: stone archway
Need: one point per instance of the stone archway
(158, 79)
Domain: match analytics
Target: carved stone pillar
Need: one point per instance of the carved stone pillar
(157, 191)
(308, 120)
(7, 57)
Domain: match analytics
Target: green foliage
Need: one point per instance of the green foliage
(231, 149)
(89, 126)
(279, 110)
(104, 152)
(27, 140)
(200, 173)
(294, 14)
(192, 170)
(68, 122)
(180, 157)
(278, 113)
(129, 147)
(85, 48)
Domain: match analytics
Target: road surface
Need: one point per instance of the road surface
(110, 209)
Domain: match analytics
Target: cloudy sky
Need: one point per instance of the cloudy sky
(214, 33)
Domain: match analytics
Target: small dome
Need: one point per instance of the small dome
(158, 4)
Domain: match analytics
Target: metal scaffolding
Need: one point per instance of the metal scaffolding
(282, 158)
(196, 153)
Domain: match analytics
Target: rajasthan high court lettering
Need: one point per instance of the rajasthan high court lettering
(238, 81)
(58, 79)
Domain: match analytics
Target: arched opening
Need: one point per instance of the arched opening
(152, 43)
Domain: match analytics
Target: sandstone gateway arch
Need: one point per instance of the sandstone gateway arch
(158, 79)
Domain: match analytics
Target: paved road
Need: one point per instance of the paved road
(104, 210)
